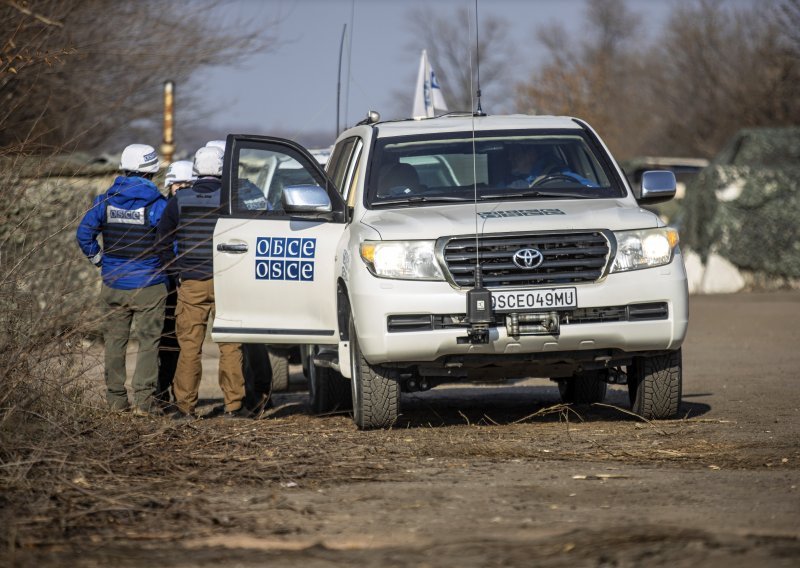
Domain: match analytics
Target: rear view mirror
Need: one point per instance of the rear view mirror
(657, 186)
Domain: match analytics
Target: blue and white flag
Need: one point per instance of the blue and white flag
(428, 95)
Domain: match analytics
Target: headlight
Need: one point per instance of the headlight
(403, 260)
(644, 249)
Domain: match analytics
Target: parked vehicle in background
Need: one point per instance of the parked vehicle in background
(523, 252)
(745, 205)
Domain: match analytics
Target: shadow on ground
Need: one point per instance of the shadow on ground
(495, 405)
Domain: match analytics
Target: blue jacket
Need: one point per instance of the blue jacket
(139, 201)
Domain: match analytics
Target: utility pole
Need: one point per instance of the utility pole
(168, 142)
(339, 81)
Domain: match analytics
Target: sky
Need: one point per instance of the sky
(292, 89)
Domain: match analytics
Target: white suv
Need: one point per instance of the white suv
(373, 264)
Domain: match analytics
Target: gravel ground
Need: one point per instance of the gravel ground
(470, 476)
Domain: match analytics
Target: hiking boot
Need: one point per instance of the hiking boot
(148, 411)
(241, 413)
(179, 416)
(119, 407)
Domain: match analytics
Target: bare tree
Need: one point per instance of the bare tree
(787, 19)
(450, 41)
(74, 71)
(596, 79)
(711, 70)
(717, 70)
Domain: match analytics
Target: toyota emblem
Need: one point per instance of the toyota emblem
(528, 259)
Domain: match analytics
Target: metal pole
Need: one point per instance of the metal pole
(339, 81)
(168, 142)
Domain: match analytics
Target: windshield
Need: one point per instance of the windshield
(507, 165)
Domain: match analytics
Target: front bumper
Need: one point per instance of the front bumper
(373, 300)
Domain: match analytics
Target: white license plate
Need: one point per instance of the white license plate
(541, 298)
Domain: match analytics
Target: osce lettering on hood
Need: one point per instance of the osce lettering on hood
(520, 213)
(126, 216)
(282, 258)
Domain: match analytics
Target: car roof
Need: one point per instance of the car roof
(466, 122)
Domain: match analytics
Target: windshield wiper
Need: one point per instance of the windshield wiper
(537, 193)
(420, 199)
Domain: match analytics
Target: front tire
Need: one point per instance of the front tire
(655, 384)
(588, 387)
(376, 391)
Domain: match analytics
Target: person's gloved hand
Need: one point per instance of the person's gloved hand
(97, 259)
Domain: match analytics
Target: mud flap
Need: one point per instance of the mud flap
(344, 359)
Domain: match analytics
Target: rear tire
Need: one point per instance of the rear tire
(655, 384)
(279, 361)
(586, 388)
(376, 391)
(328, 391)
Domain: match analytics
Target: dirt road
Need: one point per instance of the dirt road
(480, 476)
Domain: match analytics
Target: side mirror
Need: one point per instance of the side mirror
(657, 186)
(305, 200)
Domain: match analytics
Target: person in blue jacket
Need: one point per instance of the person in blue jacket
(134, 285)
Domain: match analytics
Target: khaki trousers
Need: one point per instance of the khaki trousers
(195, 302)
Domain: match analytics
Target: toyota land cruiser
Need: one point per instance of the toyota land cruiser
(458, 248)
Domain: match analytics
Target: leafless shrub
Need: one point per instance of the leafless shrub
(72, 72)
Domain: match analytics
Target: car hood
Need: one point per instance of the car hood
(508, 217)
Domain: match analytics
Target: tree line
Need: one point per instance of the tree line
(76, 74)
(710, 69)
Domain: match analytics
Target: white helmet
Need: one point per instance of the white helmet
(216, 144)
(208, 162)
(139, 158)
(178, 172)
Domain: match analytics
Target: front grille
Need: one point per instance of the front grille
(568, 258)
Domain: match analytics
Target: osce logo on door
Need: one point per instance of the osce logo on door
(281, 258)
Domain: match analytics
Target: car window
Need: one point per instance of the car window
(351, 190)
(262, 175)
(339, 161)
(503, 165)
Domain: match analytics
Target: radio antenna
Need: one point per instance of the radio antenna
(479, 299)
(478, 276)
(479, 110)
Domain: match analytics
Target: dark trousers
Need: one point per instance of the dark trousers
(168, 348)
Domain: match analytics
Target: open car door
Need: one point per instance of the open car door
(275, 246)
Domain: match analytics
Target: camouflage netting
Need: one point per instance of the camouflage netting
(41, 268)
(748, 210)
